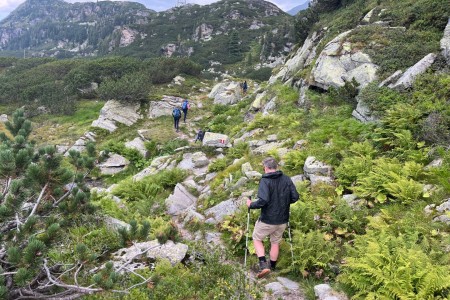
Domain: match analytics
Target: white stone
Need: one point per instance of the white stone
(445, 43)
(407, 79)
(180, 200)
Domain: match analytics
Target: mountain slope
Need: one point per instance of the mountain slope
(127, 28)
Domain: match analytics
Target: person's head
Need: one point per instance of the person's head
(270, 164)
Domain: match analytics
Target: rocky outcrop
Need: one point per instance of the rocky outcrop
(338, 63)
(157, 165)
(117, 112)
(226, 93)
(445, 43)
(164, 107)
(300, 60)
(203, 32)
(80, 144)
(362, 112)
(314, 167)
(3, 118)
(113, 165)
(441, 212)
(407, 79)
(217, 213)
(258, 102)
(180, 200)
(283, 288)
(197, 163)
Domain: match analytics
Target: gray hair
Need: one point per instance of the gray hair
(270, 163)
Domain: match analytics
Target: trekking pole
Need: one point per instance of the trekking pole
(290, 240)
(246, 236)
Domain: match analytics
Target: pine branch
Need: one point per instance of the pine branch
(37, 202)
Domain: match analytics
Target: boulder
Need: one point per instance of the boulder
(180, 200)
(316, 179)
(391, 79)
(258, 102)
(298, 178)
(226, 93)
(178, 80)
(164, 107)
(80, 144)
(283, 288)
(3, 118)
(174, 252)
(138, 144)
(117, 112)
(407, 79)
(113, 165)
(338, 63)
(199, 160)
(314, 167)
(270, 106)
(362, 112)
(225, 208)
(216, 140)
(272, 138)
(300, 144)
(115, 224)
(445, 43)
(158, 164)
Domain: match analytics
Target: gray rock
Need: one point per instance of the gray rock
(115, 111)
(216, 140)
(191, 215)
(258, 102)
(407, 79)
(180, 200)
(3, 118)
(115, 224)
(362, 113)
(164, 107)
(325, 292)
(368, 16)
(272, 138)
(314, 167)
(445, 43)
(391, 79)
(301, 59)
(253, 175)
(266, 148)
(298, 178)
(199, 160)
(435, 164)
(443, 219)
(338, 64)
(256, 143)
(226, 93)
(275, 288)
(138, 144)
(248, 134)
(158, 164)
(241, 182)
(270, 106)
(444, 207)
(223, 209)
(113, 165)
(299, 145)
(246, 167)
(289, 284)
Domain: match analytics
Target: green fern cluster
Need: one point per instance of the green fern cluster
(385, 266)
(391, 180)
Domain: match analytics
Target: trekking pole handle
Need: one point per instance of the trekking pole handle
(249, 197)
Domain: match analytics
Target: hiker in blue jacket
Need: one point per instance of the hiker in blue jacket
(185, 106)
(176, 114)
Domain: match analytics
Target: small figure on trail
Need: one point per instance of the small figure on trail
(176, 114)
(185, 106)
(244, 87)
(200, 135)
(276, 193)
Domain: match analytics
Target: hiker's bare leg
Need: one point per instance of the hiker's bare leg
(274, 251)
(259, 248)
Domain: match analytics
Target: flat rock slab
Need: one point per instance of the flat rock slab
(180, 200)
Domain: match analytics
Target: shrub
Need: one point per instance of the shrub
(262, 74)
(294, 161)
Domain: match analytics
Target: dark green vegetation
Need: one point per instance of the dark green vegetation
(381, 246)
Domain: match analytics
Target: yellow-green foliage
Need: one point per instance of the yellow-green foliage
(312, 252)
(385, 266)
(390, 180)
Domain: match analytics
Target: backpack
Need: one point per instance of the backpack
(185, 105)
(176, 113)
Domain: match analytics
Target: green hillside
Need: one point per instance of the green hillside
(373, 219)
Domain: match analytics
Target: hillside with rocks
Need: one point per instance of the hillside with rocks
(111, 201)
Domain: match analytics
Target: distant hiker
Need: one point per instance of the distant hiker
(185, 106)
(276, 193)
(176, 114)
(244, 87)
(200, 135)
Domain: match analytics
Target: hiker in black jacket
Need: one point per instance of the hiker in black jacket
(276, 193)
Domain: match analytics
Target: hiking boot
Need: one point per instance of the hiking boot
(264, 269)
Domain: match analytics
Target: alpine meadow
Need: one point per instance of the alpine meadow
(141, 151)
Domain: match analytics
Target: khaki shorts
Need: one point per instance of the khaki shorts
(262, 230)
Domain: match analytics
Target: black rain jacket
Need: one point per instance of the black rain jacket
(276, 193)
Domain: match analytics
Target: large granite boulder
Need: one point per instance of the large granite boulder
(300, 60)
(258, 102)
(226, 93)
(218, 212)
(180, 200)
(445, 43)
(164, 107)
(407, 79)
(3, 118)
(338, 63)
(216, 140)
(113, 165)
(117, 112)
